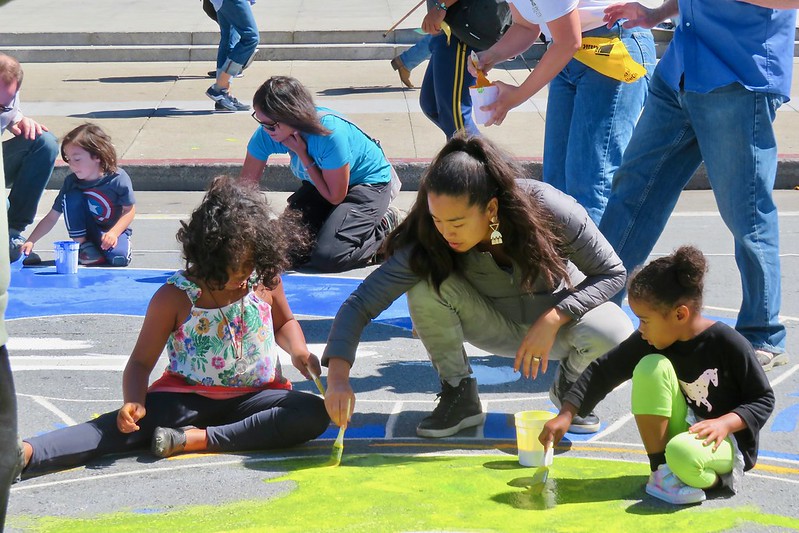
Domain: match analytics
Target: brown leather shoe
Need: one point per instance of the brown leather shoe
(404, 73)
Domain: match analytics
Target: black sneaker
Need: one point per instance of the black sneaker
(168, 441)
(580, 424)
(458, 408)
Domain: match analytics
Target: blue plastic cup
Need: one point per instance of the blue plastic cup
(66, 257)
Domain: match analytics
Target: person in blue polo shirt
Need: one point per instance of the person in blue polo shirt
(347, 182)
(713, 97)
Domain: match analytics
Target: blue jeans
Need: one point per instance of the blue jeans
(8, 432)
(731, 129)
(236, 16)
(81, 223)
(28, 166)
(446, 81)
(589, 121)
(413, 56)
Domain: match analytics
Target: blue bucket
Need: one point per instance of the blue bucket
(66, 257)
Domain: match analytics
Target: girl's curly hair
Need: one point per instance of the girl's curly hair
(671, 281)
(233, 224)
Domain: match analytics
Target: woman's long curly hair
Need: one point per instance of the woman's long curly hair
(287, 101)
(475, 168)
(233, 224)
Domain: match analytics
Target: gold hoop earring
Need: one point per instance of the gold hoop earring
(496, 236)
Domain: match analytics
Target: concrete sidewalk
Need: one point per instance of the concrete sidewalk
(164, 127)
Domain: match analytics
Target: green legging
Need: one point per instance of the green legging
(656, 391)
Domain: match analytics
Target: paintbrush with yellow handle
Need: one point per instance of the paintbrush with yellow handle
(316, 380)
(338, 445)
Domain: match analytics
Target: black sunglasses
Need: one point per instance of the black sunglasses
(5, 108)
(268, 127)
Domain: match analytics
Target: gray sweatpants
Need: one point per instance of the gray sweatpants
(498, 325)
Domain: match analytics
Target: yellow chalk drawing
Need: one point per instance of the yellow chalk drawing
(488, 493)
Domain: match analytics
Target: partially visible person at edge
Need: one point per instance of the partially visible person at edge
(513, 266)
(699, 395)
(714, 103)
(590, 116)
(29, 157)
(238, 43)
(221, 320)
(10, 456)
(444, 97)
(346, 179)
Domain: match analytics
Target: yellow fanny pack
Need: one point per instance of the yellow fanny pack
(609, 57)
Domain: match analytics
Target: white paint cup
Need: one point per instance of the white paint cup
(528, 426)
(66, 257)
(482, 96)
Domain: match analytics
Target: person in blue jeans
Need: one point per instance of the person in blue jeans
(714, 103)
(590, 116)
(29, 157)
(444, 97)
(96, 199)
(235, 18)
(412, 58)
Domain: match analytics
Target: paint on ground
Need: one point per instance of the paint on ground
(439, 493)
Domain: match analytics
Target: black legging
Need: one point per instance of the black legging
(258, 421)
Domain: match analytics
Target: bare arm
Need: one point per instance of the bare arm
(42, 228)
(520, 36)
(566, 39)
(332, 184)
(289, 335)
(639, 15)
(159, 322)
(253, 169)
(110, 238)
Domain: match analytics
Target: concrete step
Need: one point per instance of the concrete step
(201, 46)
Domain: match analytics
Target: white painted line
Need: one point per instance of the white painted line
(773, 478)
(784, 376)
(76, 400)
(22, 344)
(782, 318)
(391, 423)
(611, 428)
(205, 464)
(613, 443)
(55, 410)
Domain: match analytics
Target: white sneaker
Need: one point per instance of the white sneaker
(666, 486)
(769, 360)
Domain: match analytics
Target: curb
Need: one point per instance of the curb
(195, 175)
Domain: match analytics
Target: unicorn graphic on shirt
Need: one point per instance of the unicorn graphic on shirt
(697, 391)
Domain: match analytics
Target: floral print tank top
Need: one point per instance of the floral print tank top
(203, 352)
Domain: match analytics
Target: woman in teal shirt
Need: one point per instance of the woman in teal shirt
(346, 179)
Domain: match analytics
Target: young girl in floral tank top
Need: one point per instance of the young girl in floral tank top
(221, 320)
